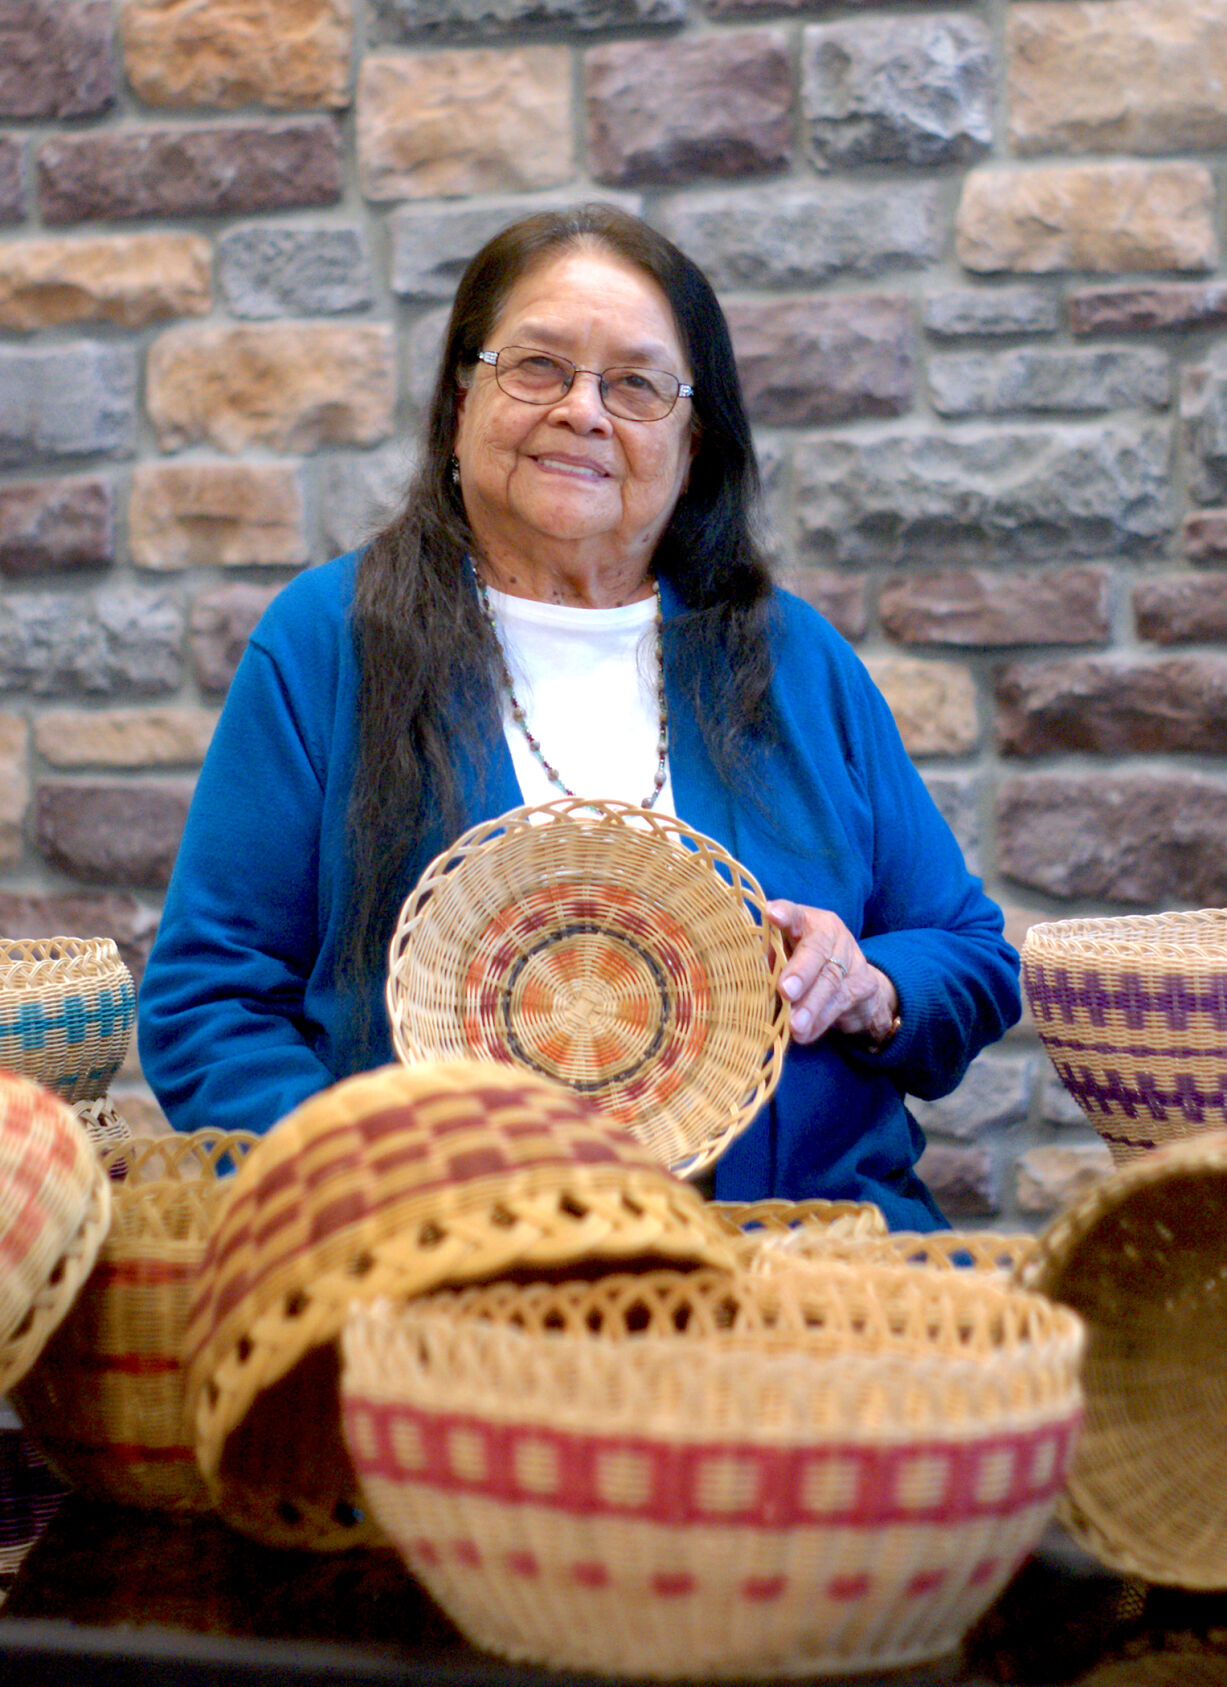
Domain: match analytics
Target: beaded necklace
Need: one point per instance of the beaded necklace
(521, 719)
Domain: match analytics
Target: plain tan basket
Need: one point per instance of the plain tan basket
(394, 1182)
(105, 1399)
(938, 1250)
(690, 1475)
(67, 1007)
(104, 1124)
(610, 948)
(1143, 1259)
(55, 1207)
(1133, 1013)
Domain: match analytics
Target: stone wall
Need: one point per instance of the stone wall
(971, 256)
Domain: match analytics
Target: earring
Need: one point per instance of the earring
(455, 468)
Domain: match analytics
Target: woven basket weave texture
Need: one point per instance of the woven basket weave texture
(686, 1474)
(394, 1182)
(55, 1207)
(1133, 1013)
(67, 1007)
(105, 1400)
(1142, 1258)
(608, 947)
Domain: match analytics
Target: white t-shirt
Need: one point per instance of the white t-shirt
(588, 683)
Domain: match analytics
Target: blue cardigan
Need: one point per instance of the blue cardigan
(240, 1014)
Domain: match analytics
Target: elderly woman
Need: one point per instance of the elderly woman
(573, 600)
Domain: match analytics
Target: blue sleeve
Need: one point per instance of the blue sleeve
(928, 925)
(224, 1039)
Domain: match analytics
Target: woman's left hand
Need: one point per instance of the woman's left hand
(827, 980)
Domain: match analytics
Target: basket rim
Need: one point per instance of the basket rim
(1194, 937)
(651, 834)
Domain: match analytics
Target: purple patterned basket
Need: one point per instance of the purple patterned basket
(1133, 1013)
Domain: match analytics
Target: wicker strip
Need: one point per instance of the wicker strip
(1143, 1259)
(391, 1183)
(105, 1399)
(67, 1007)
(606, 946)
(683, 1474)
(55, 1206)
(1133, 1013)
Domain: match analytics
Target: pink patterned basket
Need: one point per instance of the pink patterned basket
(690, 1474)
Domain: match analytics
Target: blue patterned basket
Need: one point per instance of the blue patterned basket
(67, 1007)
(1132, 1011)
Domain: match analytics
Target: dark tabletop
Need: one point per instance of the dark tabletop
(110, 1597)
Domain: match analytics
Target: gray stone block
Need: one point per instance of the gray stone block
(117, 643)
(1203, 410)
(967, 311)
(67, 401)
(799, 236)
(392, 22)
(898, 90)
(57, 58)
(994, 1094)
(431, 244)
(957, 796)
(1017, 494)
(1042, 379)
(357, 495)
(271, 271)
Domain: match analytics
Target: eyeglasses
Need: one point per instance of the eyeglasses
(542, 377)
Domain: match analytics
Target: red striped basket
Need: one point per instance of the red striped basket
(105, 1399)
(696, 1475)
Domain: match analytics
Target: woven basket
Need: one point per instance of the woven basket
(697, 1476)
(610, 948)
(394, 1182)
(1143, 1259)
(67, 1007)
(104, 1124)
(105, 1399)
(758, 1228)
(55, 1206)
(938, 1250)
(1133, 1013)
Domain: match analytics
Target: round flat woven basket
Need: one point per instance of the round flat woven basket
(1142, 1258)
(684, 1475)
(67, 1007)
(394, 1182)
(105, 1400)
(55, 1208)
(938, 1250)
(1133, 1013)
(610, 948)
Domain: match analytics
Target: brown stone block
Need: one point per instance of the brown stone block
(231, 52)
(977, 606)
(56, 524)
(188, 515)
(213, 171)
(123, 918)
(130, 279)
(1117, 76)
(1184, 608)
(481, 121)
(934, 704)
(1142, 839)
(56, 58)
(1050, 1179)
(14, 787)
(127, 738)
(1205, 535)
(823, 360)
(221, 623)
(840, 597)
(1118, 216)
(960, 1180)
(290, 386)
(125, 834)
(703, 105)
(1136, 310)
(1113, 706)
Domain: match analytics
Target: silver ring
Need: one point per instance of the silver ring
(832, 962)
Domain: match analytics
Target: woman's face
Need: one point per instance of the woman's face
(565, 490)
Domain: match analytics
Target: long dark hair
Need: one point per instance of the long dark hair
(429, 662)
